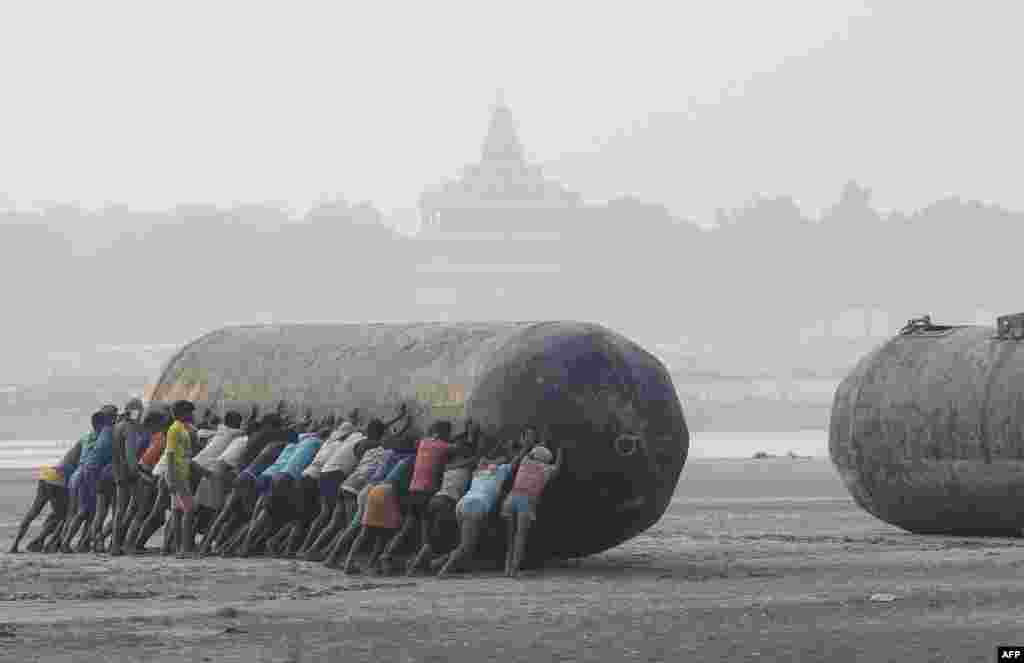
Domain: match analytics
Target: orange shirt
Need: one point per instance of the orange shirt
(155, 449)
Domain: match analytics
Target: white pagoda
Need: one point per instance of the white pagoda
(502, 193)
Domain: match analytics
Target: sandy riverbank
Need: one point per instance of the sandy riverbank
(774, 564)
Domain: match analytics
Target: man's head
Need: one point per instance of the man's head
(183, 410)
(345, 429)
(541, 454)
(375, 429)
(462, 451)
(528, 437)
(99, 420)
(272, 421)
(133, 409)
(110, 411)
(233, 419)
(495, 454)
(404, 443)
(441, 429)
(392, 442)
(157, 417)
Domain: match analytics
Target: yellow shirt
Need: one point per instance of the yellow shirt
(179, 450)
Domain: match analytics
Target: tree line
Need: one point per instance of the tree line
(761, 274)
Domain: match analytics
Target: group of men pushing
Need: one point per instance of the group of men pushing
(314, 489)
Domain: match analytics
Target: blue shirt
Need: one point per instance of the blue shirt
(487, 484)
(69, 466)
(264, 459)
(303, 455)
(401, 475)
(100, 454)
(282, 460)
(390, 461)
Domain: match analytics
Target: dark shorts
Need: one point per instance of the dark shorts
(441, 506)
(245, 481)
(416, 502)
(264, 483)
(282, 488)
(85, 484)
(106, 484)
(330, 484)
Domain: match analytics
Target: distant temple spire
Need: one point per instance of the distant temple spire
(502, 140)
(500, 192)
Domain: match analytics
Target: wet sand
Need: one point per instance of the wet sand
(755, 561)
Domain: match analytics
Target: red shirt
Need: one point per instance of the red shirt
(531, 478)
(430, 458)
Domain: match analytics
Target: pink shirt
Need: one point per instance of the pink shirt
(431, 454)
(531, 478)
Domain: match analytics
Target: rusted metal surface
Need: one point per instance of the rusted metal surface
(589, 384)
(926, 432)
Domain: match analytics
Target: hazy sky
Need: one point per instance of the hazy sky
(155, 104)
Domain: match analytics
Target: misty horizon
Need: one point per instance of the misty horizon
(694, 117)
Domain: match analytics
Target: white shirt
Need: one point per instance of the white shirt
(367, 466)
(235, 452)
(216, 446)
(317, 466)
(344, 457)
